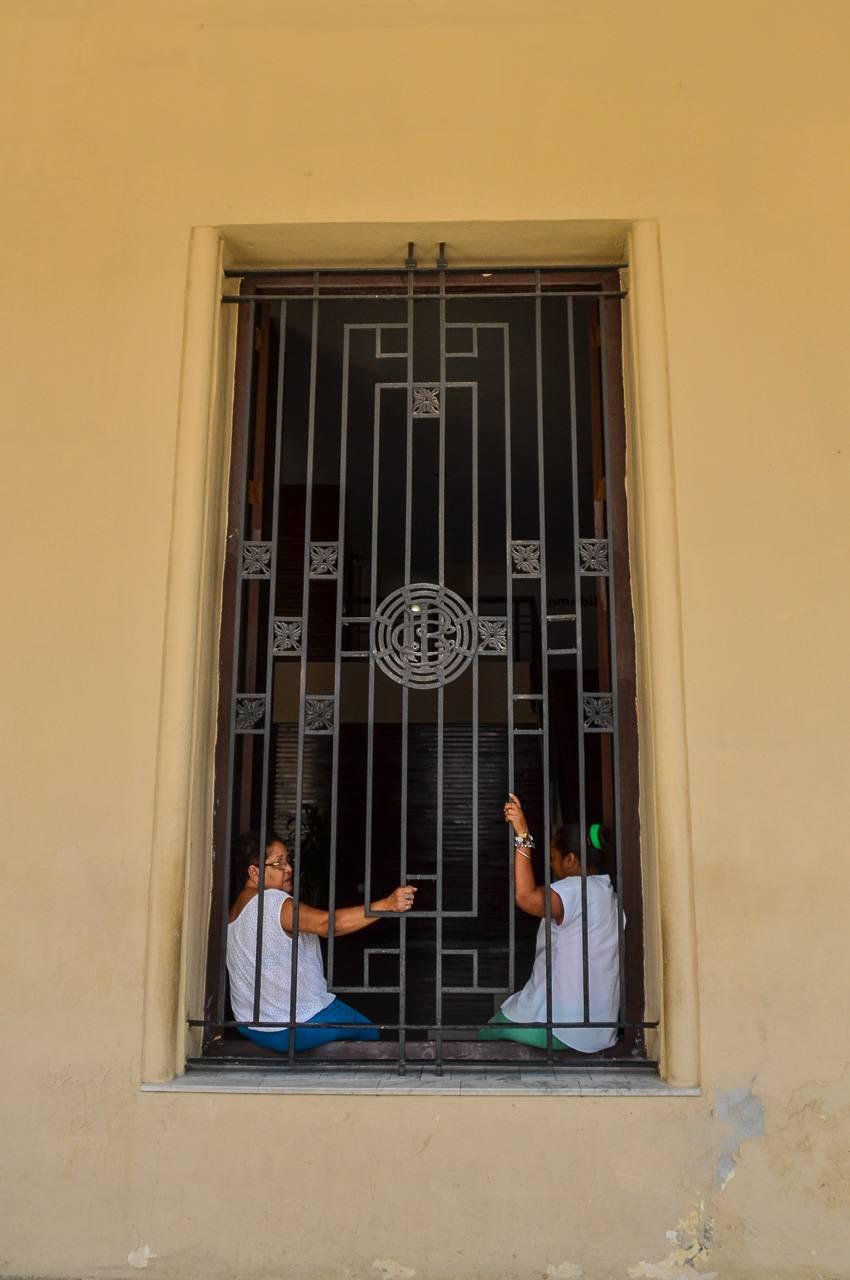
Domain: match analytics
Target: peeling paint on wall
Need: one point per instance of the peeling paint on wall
(692, 1239)
(140, 1257)
(392, 1270)
(743, 1113)
(809, 1148)
(564, 1271)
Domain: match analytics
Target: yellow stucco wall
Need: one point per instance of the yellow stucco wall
(125, 125)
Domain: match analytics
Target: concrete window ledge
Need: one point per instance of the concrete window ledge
(627, 1084)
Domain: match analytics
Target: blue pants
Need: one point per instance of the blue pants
(313, 1033)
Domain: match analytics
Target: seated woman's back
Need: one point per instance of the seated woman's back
(567, 950)
(312, 993)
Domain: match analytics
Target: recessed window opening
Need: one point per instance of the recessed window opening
(427, 612)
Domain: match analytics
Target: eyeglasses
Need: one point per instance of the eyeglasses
(280, 864)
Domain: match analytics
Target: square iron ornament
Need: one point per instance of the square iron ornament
(250, 711)
(493, 635)
(598, 711)
(593, 556)
(256, 559)
(319, 713)
(426, 402)
(324, 559)
(286, 641)
(526, 558)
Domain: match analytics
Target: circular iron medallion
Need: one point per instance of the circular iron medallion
(423, 635)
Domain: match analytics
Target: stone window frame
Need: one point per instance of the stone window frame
(180, 876)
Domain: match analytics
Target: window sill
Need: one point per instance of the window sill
(590, 1083)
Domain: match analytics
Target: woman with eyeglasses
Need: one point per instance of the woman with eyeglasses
(316, 1006)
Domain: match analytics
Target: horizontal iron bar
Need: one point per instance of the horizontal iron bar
(475, 991)
(648, 1066)
(233, 273)
(409, 1026)
(385, 991)
(383, 297)
(423, 915)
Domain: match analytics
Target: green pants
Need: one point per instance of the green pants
(501, 1028)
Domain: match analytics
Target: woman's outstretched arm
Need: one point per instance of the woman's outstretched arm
(346, 919)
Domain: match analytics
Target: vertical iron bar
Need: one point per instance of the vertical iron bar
(441, 692)
(475, 668)
(373, 591)
(579, 656)
(615, 745)
(228, 840)
(509, 611)
(544, 666)
(405, 693)
(265, 752)
(305, 645)
(340, 610)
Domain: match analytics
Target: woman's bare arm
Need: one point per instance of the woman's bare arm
(346, 919)
(530, 896)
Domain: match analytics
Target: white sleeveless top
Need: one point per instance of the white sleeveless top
(312, 993)
(603, 968)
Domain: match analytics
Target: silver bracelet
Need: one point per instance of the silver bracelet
(518, 849)
(524, 842)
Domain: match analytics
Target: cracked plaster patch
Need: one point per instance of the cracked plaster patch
(809, 1149)
(691, 1239)
(564, 1271)
(743, 1113)
(392, 1270)
(140, 1257)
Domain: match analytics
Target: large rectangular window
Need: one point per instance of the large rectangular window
(427, 607)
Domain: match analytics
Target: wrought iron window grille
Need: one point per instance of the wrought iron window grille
(420, 611)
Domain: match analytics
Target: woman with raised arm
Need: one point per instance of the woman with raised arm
(315, 1004)
(565, 902)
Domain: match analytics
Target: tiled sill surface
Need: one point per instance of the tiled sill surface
(486, 1082)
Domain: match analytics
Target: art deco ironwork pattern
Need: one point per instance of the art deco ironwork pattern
(250, 710)
(366, 983)
(593, 554)
(287, 637)
(423, 636)
(422, 640)
(256, 559)
(319, 714)
(493, 635)
(323, 559)
(526, 558)
(598, 711)
(426, 402)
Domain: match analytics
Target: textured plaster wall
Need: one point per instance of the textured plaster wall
(122, 126)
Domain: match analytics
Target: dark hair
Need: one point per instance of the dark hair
(567, 839)
(247, 852)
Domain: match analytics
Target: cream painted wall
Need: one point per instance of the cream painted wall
(122, 127)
